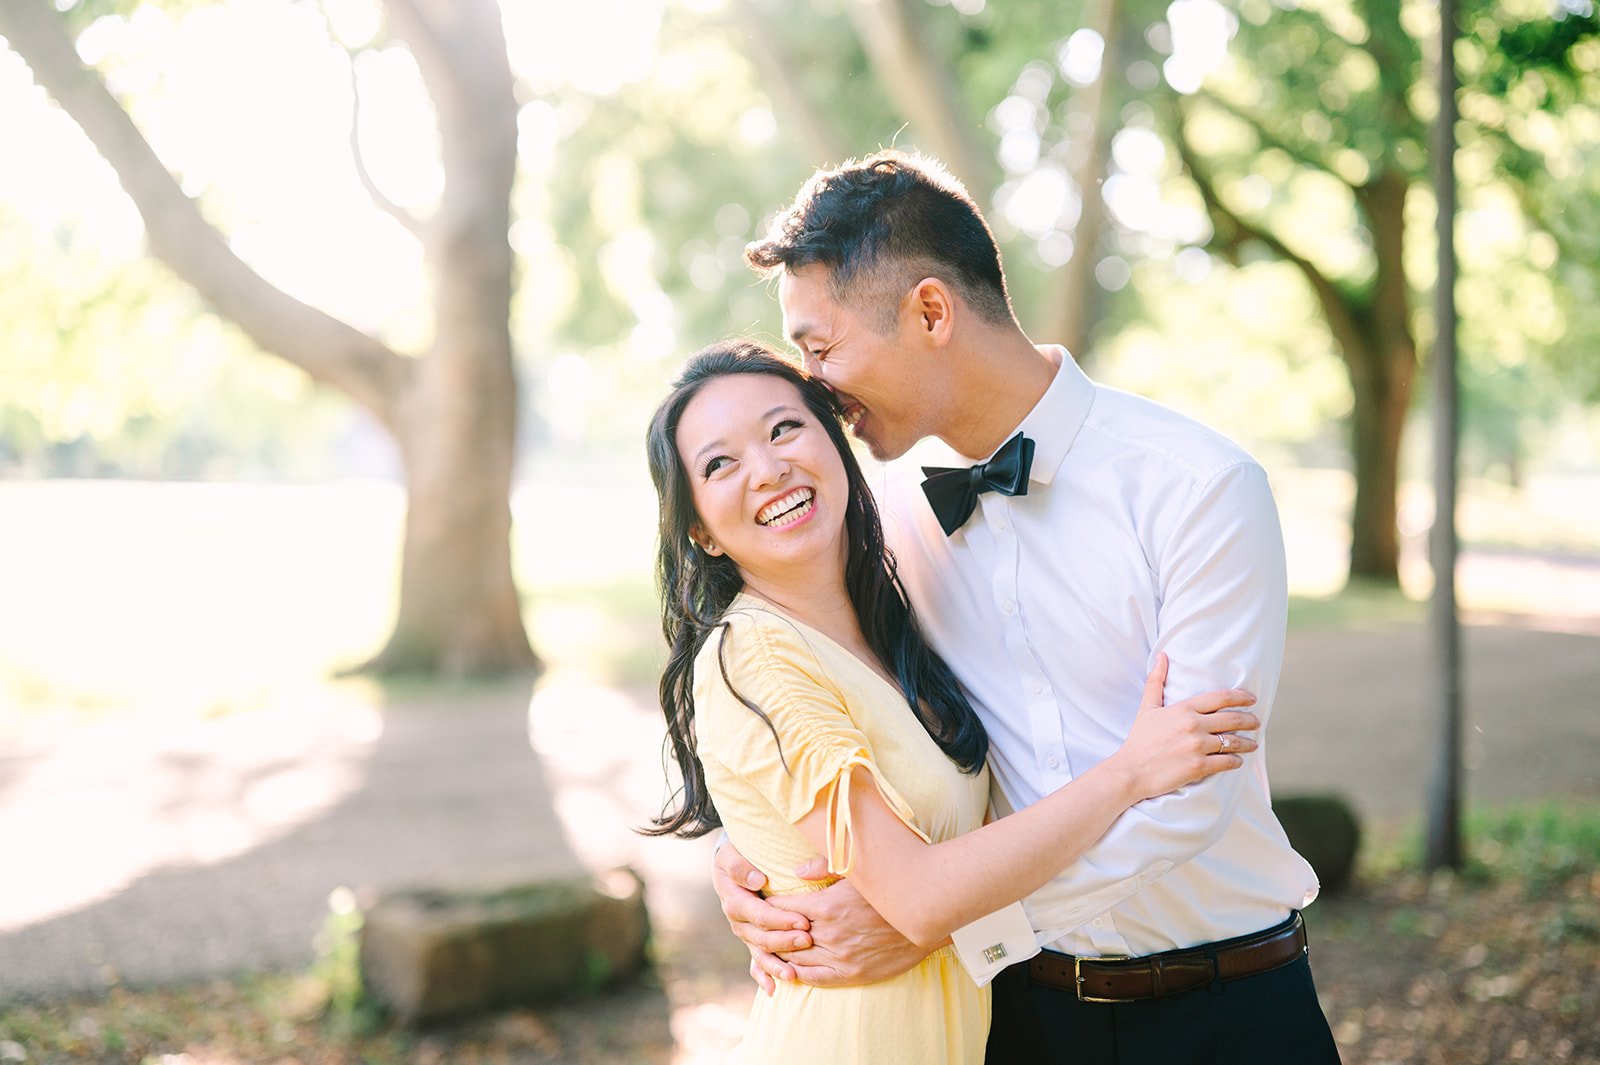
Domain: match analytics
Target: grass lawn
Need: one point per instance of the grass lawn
(197, 599)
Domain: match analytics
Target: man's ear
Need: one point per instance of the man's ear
(934, 305)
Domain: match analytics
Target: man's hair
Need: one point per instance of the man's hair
(879, 225)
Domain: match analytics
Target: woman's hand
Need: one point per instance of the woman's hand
(1170, 746)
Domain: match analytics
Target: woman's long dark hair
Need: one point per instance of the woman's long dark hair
(696, 589)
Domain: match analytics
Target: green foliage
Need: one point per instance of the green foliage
(1359, 605)
(1538, 846)
(109, 366)
(348, 1011)
(1319, 99)
(632, 231)
(1531, 101)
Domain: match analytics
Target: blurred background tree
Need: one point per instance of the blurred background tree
(1282, 143)
(451, 408)
(1220, 206)
(1309, 147)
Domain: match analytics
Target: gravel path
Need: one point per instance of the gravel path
(148, 855)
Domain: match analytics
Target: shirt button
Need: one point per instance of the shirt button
(1053, 762)
(1000, 523)
(1007, 606)
(1037, 687)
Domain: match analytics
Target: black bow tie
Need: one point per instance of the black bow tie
(953, 492)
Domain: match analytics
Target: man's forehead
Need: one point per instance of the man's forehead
(808, 305)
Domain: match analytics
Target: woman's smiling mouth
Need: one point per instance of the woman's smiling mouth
(788, 509)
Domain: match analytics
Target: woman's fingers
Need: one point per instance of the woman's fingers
(1229, 721)
(1220, 763)
(1233, 743)
(1211, 702)
(1155, 684)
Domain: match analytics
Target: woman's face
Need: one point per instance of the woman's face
(768, 485)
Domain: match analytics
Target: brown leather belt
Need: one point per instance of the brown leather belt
(1111, 979)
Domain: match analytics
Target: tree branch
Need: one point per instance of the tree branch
(1232, 229)
(1303, 154)
(815, 130)
(330, 351)
(409, 221)
(921, 88)
(460, 50)
(1073, 305)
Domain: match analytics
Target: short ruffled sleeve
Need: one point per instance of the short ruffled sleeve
(812, 744)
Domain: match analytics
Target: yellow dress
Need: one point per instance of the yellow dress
(829, 713)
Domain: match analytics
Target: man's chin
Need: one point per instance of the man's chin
(867, 431)
(882, 450)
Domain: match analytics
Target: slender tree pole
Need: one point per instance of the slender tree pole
(1444, 797)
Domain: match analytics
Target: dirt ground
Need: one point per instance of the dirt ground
(1501, 968)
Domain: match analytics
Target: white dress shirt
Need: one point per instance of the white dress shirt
(1142, 531)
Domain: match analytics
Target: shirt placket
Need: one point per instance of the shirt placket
(1038, 698)
(1045, 719)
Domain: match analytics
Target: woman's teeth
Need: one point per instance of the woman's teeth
(792, 507)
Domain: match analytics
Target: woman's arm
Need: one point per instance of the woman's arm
(928, 891)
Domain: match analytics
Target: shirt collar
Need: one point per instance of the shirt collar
(1054, 421)
(1052, 424)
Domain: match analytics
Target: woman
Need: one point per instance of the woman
(807, 714)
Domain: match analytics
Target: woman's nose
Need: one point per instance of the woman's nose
(767, 468)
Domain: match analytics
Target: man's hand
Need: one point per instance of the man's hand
(851, 943)
(764, 928)
(830, 938)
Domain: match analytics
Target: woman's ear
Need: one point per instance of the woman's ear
(698, 538)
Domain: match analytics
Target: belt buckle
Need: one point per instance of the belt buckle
(1077, 974)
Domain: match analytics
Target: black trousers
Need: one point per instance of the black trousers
(1272, 1018)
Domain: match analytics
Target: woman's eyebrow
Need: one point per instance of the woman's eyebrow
(709, 447)
(713, 445)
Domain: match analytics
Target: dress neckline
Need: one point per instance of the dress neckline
(810, 630)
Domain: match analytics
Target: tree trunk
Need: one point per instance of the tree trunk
(923, 88)
(459, 614)
(1070, 316)
(1371, 327)
(1382, 391)
(823, 143)
(1383, 369)
(453, 410)
(459, 610)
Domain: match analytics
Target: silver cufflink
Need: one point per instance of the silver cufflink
(994, 953)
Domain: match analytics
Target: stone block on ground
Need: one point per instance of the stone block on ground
(1326, 832)
(433, 953)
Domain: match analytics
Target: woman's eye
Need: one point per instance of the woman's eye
(714, 465)
(788, 425)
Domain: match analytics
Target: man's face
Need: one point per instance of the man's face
(875, 375)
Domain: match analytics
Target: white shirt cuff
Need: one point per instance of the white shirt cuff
(991, 943)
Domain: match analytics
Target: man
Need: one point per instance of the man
(1104, 530)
